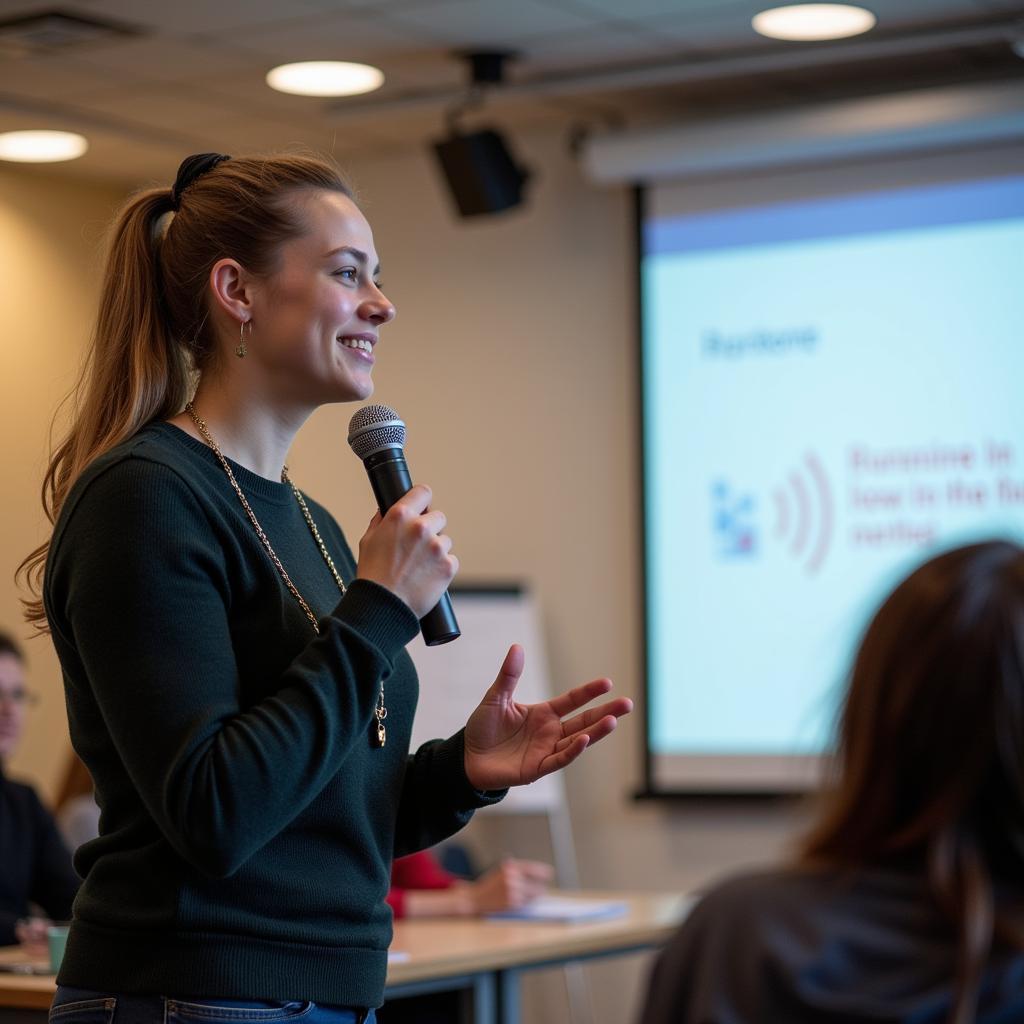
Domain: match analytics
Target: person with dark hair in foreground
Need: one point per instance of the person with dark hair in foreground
(35, 865)
(907, 901)
(236, 676)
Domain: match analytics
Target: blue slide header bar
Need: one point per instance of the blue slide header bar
(867, 214)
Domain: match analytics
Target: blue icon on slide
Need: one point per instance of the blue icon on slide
(732, 521)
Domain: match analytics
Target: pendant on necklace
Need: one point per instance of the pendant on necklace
(380, 712)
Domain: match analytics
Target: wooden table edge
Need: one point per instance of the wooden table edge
(555, 942)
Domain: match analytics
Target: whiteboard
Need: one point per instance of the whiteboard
(455, 676)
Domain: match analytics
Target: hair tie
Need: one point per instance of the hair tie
(193, 167)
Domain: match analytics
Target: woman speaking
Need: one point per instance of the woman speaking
(236, 678)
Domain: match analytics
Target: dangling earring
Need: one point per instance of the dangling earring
(242, 350)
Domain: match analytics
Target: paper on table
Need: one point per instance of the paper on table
(397, 956)
(563, 909)
(15, 960)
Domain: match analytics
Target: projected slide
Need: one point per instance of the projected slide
(833, 390)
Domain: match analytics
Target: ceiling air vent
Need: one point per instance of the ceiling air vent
(52, 31)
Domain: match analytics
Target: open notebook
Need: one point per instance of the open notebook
(564, 909)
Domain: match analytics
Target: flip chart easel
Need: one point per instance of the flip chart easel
(454, 678)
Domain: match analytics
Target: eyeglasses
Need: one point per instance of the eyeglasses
(19, 698)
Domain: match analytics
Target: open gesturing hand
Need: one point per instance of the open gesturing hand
(511, 744)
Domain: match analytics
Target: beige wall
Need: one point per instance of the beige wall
(513, 360)
(50, 241)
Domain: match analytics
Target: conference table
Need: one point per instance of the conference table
(487, 958)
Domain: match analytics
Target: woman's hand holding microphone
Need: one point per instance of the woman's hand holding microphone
(406, 551)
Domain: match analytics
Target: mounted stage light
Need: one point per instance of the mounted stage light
(482, 175)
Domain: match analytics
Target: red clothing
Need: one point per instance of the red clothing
(417, 871)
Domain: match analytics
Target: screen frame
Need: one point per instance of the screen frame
(721, 777)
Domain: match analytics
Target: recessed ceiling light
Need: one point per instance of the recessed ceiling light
(41, 147)
(810, 22)
(325, 78)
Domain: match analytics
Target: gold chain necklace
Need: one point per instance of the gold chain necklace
(380, 712)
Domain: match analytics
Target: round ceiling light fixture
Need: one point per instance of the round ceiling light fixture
(813, 22)
(41, 147)
(325, 78)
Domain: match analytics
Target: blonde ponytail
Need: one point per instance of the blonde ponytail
(133, 373)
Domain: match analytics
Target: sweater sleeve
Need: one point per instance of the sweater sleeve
(437, 799)
(138, 588)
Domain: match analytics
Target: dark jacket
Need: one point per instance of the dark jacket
(35, 865)
(821, 947)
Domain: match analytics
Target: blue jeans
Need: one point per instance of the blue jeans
(82, 1006)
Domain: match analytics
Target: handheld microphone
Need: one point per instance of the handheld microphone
(377, 436)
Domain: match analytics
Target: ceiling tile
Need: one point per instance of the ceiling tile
(93, 124)
(240, 135)
(496, 24)
(372, 7)
(158, 108)
(330, 36)
(254, 135)
(1003, 6)
(430, 69)
(414, 128)
(165, 59)
(600, 48)
(924, 11)
(185, 17)
(131, 165)
(617, 10)
(50, 78)
(707, 33)
(427, 121)
(197, 79)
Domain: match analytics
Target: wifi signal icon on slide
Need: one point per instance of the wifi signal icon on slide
(805, 513)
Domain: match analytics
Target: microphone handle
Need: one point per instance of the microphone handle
(389, 478)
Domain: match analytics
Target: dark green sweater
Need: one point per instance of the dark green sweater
(248, 821)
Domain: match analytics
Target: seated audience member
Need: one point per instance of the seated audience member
(906, 900)
(35, 866)
(420, 887)
(78, 816)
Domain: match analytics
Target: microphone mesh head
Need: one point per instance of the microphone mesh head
(374, 428)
